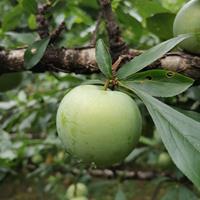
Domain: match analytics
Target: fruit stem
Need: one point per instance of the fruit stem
(75, 190)
(117, 63)
(147, 141)
(106, 84)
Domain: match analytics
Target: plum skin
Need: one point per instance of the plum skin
(164, 160)
(188, 21)
(81, 191)
(98, 126)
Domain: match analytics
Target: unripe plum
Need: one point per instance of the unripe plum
(164, 160)
(77, 190)
(188, 21)
(98, 126)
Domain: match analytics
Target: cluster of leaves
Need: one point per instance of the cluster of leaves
(145, 23)
(179, 133)
(143, 26)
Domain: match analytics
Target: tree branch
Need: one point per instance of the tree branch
(83, 61)
(94, 34)
(126, 174)
(117, 45)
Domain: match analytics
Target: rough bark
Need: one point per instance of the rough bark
(82, 61)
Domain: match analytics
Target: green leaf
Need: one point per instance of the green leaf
(103, 58)
(12, 18)
(35, 52)
(32, 23)
(133, 29)
(29, 6)
(149, 56)
(89, 3)
(120, 194)
(189, 113)
(93, 82)
(179, 133)
(23, 38)
(80, 16)
(148, 8)
(179, 193)
(135, 154)
(194, 93)
(173, 6)
(185, 194)
(115, 4)
(155, 25)
(160, 83)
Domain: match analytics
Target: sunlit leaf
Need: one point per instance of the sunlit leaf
(29, 6)
(150, 8)
(160, 83)
(149, 56)
(12, 18)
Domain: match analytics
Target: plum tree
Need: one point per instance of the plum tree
(98, 126)
(77, 190)
(10, 81)
(188, 21)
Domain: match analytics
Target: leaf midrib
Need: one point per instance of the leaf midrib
(175, 127)
(176, 131)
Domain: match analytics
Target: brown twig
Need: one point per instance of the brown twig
(117, 45)
(43, 25)
(56, 33)
(117, 63)
(94, 34)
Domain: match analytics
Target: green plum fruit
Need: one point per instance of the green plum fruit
(10, 81)
(188, 21)
(37, 158)
(77, 190)
(98, 126)
(164, 160)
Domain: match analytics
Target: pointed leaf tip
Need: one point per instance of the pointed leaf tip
(103, 58)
